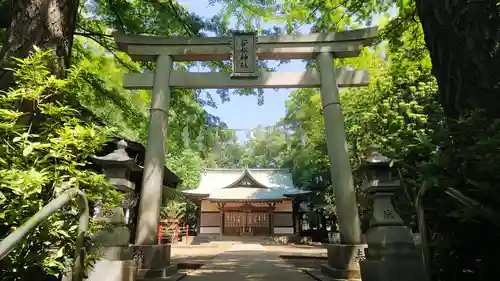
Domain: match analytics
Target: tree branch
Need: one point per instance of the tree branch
(109, 50)
(118, 16)
(87, 34)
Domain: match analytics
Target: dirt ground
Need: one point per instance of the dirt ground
(251, 262)
(195, 253)
(305, 258)
(299, 250)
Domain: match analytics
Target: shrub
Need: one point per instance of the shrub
(44, 150)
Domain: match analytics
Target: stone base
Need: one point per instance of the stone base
(157, 273)
(154, 262)
(113, 270)
(343, 261)
(393, 269)
(340, 274)
(152, 256)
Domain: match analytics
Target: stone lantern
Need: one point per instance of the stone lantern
(113, 242)
(117, 167)
(391, 252)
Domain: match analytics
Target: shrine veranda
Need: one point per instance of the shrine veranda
(244, 50)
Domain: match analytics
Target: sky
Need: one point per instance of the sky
(243, 112)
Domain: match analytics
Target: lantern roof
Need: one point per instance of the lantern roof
(375, 158)
(123, 152)
(117, 158)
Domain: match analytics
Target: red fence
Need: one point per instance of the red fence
(173, 233)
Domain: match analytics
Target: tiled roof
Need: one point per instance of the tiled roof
(247, 184)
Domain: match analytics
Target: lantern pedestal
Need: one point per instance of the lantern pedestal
(343, 261)
(113, 251)
(381, 265)
(391, 252)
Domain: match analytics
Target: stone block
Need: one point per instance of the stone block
(408, 269)
(391, 236)
(343, 261)
(157, 273)
(108, 270)
(342, 256)
(152, 256)
(113, 216)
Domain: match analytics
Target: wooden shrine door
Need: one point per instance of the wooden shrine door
(234, 222)
(258, 222)
(253, 223)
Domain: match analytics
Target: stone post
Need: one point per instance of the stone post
(391, 252)
(272, 206)
(198, 218)
(343, 259)
(220, 206)
(154, 163)
(295, 202)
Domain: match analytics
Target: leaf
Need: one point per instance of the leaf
(63, 233)
(59, 252)
(27, 150)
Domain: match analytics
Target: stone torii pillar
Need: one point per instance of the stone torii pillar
(342, 181)
(152, 180)
(244, 49)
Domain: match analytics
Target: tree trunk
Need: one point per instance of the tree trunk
(463, 40)
(48, 24)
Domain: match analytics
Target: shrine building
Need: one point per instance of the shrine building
(246, 202)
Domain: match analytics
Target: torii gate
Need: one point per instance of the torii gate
(244, 49)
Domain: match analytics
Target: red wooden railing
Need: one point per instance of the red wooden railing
(160, 233)
(174, 232)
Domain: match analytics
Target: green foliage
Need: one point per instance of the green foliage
(173, 210)
(187, 166)
(268, 149)
(469, 163)
(40, 160)
(327, 15)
